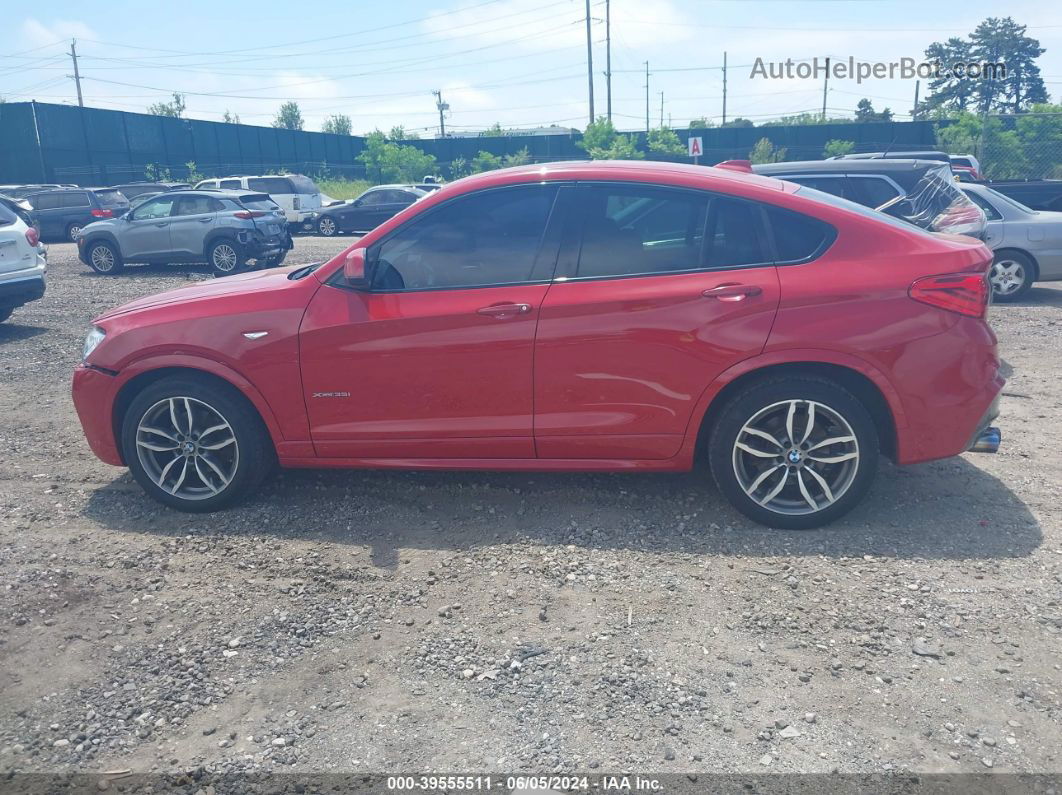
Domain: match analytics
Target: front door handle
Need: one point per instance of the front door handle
(504, 310)
(166, 223)
(732, 292)
(205, 220)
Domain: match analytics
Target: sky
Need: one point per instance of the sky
(521, 63)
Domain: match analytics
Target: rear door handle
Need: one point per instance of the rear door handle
(167, 223)
(732, 292)
(504, 310)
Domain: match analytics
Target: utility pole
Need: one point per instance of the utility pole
(825, 88)
(914, 110)
(443, 107)
(661, 108)
(589, 61)
(77, 74)
(724, 88)
(608, 57)
(646, 97)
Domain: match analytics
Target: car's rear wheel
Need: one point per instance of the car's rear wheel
(1011, 275)
(794, 453)
(103, 258)
(327, 226)
(72, 231)
(226, 257)
(195, 445)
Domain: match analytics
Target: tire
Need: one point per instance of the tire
(5, 312)
(103, 258)
(1011, 275)
(226, 257)
(169, 463)
(327, 226)
(762, 410)
(72, 231)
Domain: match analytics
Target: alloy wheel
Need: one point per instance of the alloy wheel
(74, 231)
(1007, 276)
(224, 257)
(187, 448)
(326, 226)
(102, 259)
(796, 457)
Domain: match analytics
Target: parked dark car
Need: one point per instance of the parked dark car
(133, 189)
(922, 192)
(61, 213)
(366, 212)
(23, 209)
(1037, 194)
(22, 191)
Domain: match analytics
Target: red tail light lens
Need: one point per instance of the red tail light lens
(102, 214)
(965, 293)
(32, 237)
(248, 214)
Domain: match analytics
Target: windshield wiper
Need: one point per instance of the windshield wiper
(304, 271)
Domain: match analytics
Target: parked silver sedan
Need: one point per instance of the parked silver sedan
(1027, 242)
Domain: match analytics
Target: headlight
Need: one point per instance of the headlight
(94, 338)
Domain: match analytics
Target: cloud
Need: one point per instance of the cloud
(37, 34)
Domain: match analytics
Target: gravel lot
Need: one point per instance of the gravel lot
(383, 622)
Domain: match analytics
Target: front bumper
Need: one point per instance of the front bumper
(94, 392)
(22, 286)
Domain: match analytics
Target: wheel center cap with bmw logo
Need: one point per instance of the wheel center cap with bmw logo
(794, 456)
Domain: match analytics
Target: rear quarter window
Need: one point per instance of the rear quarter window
(272, 185)
(798, 237)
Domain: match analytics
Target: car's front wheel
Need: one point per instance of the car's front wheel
(1011, 275)
(225, 257)
(195, 445)
(794, 453)
(103, 258)
(327, 226)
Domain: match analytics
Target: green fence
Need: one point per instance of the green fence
(91, 146)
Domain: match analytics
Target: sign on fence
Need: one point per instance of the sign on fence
(696, 147)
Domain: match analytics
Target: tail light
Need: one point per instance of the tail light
(102, 214)
(33, 237)
(295, 203)
(965, 293)
(246, 215)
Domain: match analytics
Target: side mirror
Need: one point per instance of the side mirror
(354, 268)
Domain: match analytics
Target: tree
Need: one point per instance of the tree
(400, 133)
(1004, 41)
(174, 110)
(520, 157)
(460, 167)
(738, 122)
(1040, 133)
(230, 118)
(765, 152)
(193, 176)
(700, 123)
(664, 141)
(485, 161)
(865, 112)
(1011, 89)
(999, 150)
(289, 117)
(337, 124)
(387, 161)
(835, 147)
(602, 142)
(494, 131)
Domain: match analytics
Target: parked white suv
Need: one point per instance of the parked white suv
(22, 262)
(298, 195)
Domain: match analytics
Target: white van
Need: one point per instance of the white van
(298, 195)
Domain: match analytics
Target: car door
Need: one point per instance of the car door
(48, 213)
(658, 291)
(434, 359)
(360, 215)
(192, 219)
(145, 235)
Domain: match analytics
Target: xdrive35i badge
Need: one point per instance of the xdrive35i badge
(331, 394)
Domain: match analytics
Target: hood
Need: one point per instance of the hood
(253, 282)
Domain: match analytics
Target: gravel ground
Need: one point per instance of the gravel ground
(386, 621)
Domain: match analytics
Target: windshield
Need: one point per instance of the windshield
(111, 198)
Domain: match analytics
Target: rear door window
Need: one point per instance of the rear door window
(196, 205)
(75, 199)
(373, 197)
(735, 234)
(271, 185)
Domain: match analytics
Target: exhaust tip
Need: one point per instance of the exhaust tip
(987, 441)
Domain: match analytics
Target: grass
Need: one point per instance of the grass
(343, 188)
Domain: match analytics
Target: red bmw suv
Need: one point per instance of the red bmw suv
(599, 316)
